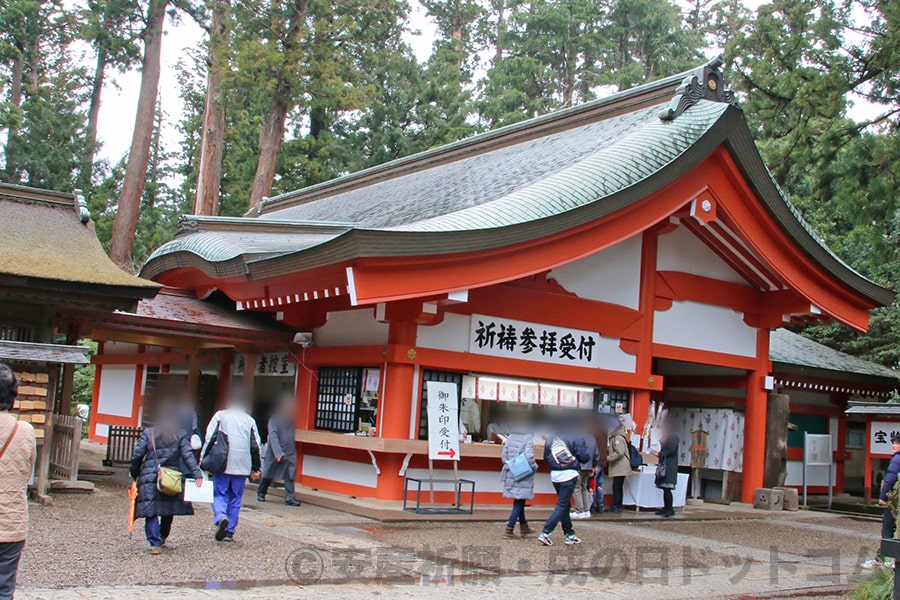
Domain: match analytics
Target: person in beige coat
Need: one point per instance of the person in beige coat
(17, 452)
(618, 462)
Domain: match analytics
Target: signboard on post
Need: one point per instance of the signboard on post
(817, 453)
(880, 437)
(443, 421)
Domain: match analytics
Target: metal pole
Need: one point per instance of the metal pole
(805, 446)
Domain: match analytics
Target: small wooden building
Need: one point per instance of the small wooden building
(52, 268)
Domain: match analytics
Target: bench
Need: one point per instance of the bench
(456, 508)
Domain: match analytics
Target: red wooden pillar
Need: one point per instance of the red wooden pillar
(396, 407)
(647, 305)
(755, 420)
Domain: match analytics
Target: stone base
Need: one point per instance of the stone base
(60, 486)
(694, 502)
(768, 499)
(791, 498)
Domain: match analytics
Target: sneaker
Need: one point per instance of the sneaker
(586, 514)
(572, 539)
(220, 529)
(155, 550)
(229, 537)
(260, 498)
(292, 502)
(544, 538)
(872, 563)
(163, 541)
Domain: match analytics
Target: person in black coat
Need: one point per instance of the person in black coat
(162, 446)
(667, 470)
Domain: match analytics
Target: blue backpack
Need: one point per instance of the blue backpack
(634, 457)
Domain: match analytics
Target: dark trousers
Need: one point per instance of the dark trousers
(517, 514)
(618, 491)
(265, 482)
(888, 524)
(560, 513)
(10, 552)
(668, 501)
(157, 529)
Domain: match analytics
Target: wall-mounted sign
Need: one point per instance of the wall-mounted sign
(495, 336)
(443, 421)
(271, 364)
(880, 437)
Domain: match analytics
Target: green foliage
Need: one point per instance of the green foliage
(879, 585)
(83, 380)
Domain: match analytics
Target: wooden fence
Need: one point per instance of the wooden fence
(65, 447)
(120, 444)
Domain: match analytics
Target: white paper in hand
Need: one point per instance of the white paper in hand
(192, 493)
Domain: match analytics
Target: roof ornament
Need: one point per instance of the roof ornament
(81, 207)
(705, 83)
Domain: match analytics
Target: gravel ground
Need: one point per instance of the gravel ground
(82, 540)
(807, 538)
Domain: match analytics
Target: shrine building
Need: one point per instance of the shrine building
(625, 250)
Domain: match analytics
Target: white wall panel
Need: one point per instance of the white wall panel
(680, 250)
(451, 334)
(340, 470)
(704, 327)
(351, 328)
(485, 481)
(116, 390)
(612, 275)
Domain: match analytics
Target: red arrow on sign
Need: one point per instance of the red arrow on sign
(451, 453)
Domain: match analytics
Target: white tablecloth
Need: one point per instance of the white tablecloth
(641, 491)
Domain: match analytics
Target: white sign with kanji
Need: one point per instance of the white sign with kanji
(443, 421)
(496, 336)
(880, 437)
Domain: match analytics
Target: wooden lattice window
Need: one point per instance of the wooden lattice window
(10, 332)
(337, 398)
(427, 375)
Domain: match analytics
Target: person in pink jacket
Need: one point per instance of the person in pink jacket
(17, 452)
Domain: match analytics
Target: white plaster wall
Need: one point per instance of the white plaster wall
(351, 328)
(102, 430)
(451, 334)
(704, 327)
(340, 470)
(680, 250)
(116, 390)
(485, 481)
(612, 275)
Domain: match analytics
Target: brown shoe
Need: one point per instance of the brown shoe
(525, 530)
(510, 532)
(154, 550)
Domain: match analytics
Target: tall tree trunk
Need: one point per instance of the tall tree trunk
(209, 170)
(270, 135)
(139, 155)
(87, 169)
(15, 99)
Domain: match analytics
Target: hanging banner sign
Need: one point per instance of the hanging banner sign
(270, 363)
(443, 421)
(880, 437)
(509, 338)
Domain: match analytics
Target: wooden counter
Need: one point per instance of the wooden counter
(393, 446)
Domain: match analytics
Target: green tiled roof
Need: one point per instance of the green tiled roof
(515, 184)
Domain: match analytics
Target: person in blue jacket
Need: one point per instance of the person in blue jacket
(563, 458)
(888, 521)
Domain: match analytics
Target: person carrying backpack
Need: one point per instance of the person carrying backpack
(563, 453)
(618, 459)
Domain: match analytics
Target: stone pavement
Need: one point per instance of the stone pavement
(78, 550)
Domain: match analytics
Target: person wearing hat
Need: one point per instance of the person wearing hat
(888, 521)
